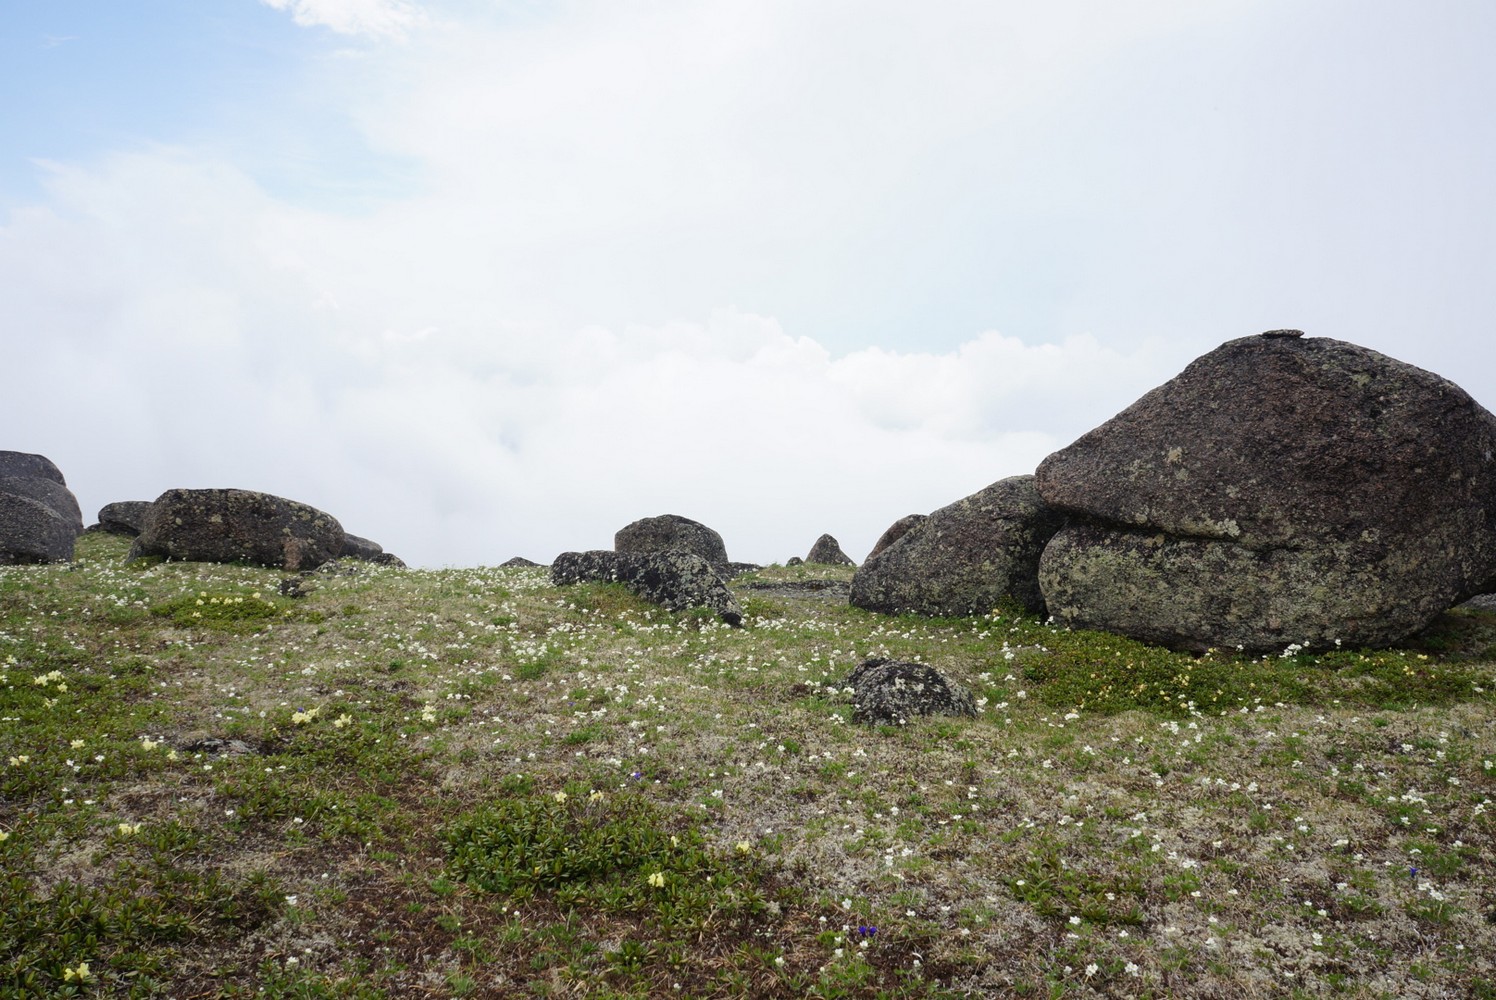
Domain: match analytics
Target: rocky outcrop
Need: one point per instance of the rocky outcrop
(220, 525)
(673, 533)
(1280, 490)
(123, 517)
(674, 579)
(886, 692)
(518, 562)
(828, 552)
(895, 531)
(21, 463)
(50, 494)
(964, 558)
(31, 532)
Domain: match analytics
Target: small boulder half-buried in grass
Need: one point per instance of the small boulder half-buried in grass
(887, 692)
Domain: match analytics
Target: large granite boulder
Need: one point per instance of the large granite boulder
(887, 692)
(677, 580)
(895, 531)
(671, 532)
(32, 532)
(123, 517)
(964, 558)
(22, 463)
(1280, 490)
(50, 494)
(828, 552)
(238, 526)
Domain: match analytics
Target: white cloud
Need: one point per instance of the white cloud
(189, 341)
(387, 18)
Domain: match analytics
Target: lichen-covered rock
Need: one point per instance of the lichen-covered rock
(676, 580)
(219, 525)
(828, 552)
(964, 558)
(32, 532)
(23, 463)
(123, 517)
(671, 532)
(887, 692)
(1197, 593)
(50, 494)
(895, 531)
(1280, 490)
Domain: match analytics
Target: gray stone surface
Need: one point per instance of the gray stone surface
(964, 558)
(124, 517)
(227, 525)
(676, 580)
(518, 561)
(828, 552)
(50, 494)
(1280, 490)
(23, 463)
(358, 547)
(895, 531)
(31, 532)
(887, 692)
(671, 532)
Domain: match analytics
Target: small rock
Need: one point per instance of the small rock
(887, 692)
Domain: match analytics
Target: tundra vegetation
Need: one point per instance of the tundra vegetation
(469, 782)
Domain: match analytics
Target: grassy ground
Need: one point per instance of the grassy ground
(470, 783)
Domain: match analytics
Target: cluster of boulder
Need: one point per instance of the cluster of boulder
(40, 521)
(1281, 491)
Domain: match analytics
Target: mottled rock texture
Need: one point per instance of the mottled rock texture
(518, 561)
(827, 551)
(32, 532)
(238, 526)
(886, 692)
(1279, 490)
(674, 579)
(22, 463)
(671, 532)
(123, 517)
(50, 494)
(358, 547)
(895, 531)
(964, 558)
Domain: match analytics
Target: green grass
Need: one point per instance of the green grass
(471, 783)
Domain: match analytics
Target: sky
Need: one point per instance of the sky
(486, 278)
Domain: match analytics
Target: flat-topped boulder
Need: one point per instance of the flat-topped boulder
(1280, 490)
(229, 525)
(964, 558)
(123, 517)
